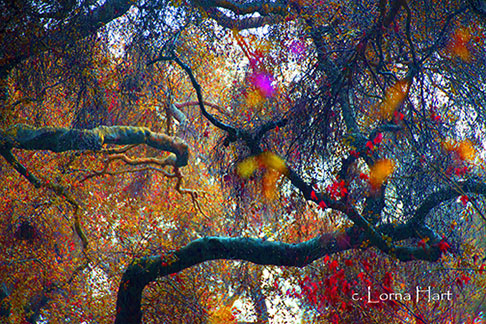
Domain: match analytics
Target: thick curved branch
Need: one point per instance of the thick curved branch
(143, 271)
(440, 196)
(58, 139)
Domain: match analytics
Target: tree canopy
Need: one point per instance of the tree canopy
(227, 161)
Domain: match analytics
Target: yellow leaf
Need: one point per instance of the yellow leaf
(247, 167)
(274, 165)
(267, 159)
(264, 47)
(380, 171)
(449, 145)
(271, 160)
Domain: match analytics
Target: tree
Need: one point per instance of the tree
(345, 135)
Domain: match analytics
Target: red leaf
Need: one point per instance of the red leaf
(370, 145)
(333, 265)
(398, 116)
(361, 276)
(313, 195)
(443, 245)
(421, 243)
(363, 176)
(465, 279)
(435, 117)
(464, 199)
(322, 205)
(337, 190)
(378, 139)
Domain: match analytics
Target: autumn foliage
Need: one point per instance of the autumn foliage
(242, 161)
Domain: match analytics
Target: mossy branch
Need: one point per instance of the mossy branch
(59, 139)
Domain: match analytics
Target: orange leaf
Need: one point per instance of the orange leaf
(394, 97)
(464, 149)
(458, 44)
(223, 315)
(380, 171)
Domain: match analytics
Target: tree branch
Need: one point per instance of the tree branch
(372, 234)
(133, 162)
(12, 160)
(231, 130)
(195, 103)
(269, 126)
(145, 270)
(253, 144)
(436, 198)
(58, 139)
(5, 151)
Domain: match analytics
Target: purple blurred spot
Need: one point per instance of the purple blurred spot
(263, 82)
